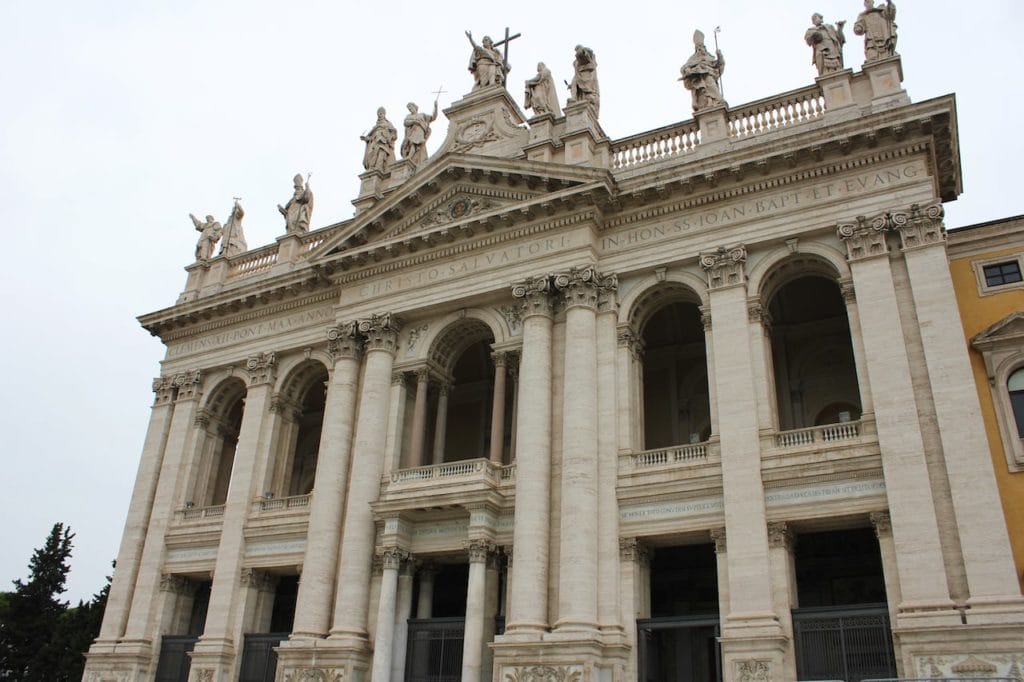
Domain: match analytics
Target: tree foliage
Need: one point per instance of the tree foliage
(41, 638)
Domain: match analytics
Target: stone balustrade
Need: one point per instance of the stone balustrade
(656, 145)
(780, 111)
(815, 435)
(450, 470)
(281, 503)
(253, 262)
(676, 454)
(199, 513)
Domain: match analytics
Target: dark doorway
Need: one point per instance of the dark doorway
(259, 660)
(435, 643)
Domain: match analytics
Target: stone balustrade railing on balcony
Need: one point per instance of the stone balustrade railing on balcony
(451, 470)
(199, 513)
(817, 435)
(279, 503)
(772, 113)
(693, 453)
(656, 145)
(253, 262)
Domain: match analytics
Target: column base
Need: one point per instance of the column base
(560, 657)
(996, 611)
(322, 659)
(213, 660)
(127, 660)
(961, 651)
(754, 646)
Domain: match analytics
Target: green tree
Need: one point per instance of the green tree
(30, 616)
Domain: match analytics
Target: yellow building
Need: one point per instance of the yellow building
(986, 261)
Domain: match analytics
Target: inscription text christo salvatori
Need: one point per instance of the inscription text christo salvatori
(767, 205)
(251, 331)
(482, 261)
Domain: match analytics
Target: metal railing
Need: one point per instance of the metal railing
(434, 650)
(852, 643)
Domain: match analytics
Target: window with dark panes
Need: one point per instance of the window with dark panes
(1002, 273)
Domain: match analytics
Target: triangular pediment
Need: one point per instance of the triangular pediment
(445, 197)
(1009, 330)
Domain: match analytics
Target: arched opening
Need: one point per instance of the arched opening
(812, 354)
(223, 424)
(470, 401)
(677, 407)
(302, 412)
(1015, 387)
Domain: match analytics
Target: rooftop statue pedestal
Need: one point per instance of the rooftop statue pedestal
(714, 124)
(543, 142)
(837, 88)
(371, 188)
(486, 122)
(584, 142)
(886, 78)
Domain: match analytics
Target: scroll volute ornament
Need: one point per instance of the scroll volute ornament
(725, 267)
(536, 295)
(344, 341)
(381, 332)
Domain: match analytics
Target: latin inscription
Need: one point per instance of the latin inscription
(253, 331)
(659, 511)
(483, 261)
(840, 490)
(765, 206)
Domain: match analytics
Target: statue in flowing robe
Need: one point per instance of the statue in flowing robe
(584, 87)
(209, 234)
(380, 143)
(700, 75)
(299, 208)
(541, 95)
(234, 238)
(826, 43)
(877, 25)
(486, 64)
(417, 132)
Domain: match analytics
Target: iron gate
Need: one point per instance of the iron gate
(435, 650)
(174, 662)
(259, 660)
(852, 643)
(679, 648)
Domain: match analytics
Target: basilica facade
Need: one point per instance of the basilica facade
(691, 404)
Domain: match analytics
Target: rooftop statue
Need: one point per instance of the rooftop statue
(541, 95)
(584, 87)
(298, 209)
(877, 26)
(234, 237)
(826, 42)
(700, 75)
(417, 131)
(486, 64)
(380, 143)
(209, 234)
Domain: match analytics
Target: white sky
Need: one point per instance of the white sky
(120, 118)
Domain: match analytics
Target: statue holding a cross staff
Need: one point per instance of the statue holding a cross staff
(486, 63)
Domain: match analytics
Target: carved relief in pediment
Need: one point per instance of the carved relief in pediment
(458, 207)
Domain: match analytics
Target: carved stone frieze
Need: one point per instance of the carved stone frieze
(780, 535)
(585, 286)
(882, 523)
(314, 675)
(920, 226)
(459, 207)
(725, 267)
(474, 133)
(262, 368)
(513, 315)
(990, 664)
(536, 295)
(204, 675)
(753, 671)
(381, 332)
(542, 673)
(414, 336)
(343, 341)
(187, 384)
(480, 550)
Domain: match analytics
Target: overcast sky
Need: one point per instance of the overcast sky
(120, 118)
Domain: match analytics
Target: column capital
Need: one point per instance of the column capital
(177, 584)
(780, 535)
(632, 549)
(259, 580)
(585, 286)
(920, 226)
(343, 341)
(262, 368)
(725, 267)
(281, 405)
(399, 379)
(479, 550)
(718, 537)
(882, 523)
(864, 238)
(203, 419)
(847, 291)
(500, 358)
(757, 313)
(393, 557)
(381, 332)
(163, 391)
(186, 384)
(422, 374)
(536, 295)
(705, 317)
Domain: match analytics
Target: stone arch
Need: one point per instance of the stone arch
(299, 403)
(455, 338)
(782, 264)
(635, 304)
(290, 364)
(424, 347)
(221, 420)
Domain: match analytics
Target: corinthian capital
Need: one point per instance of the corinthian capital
(536, 295)
(480, 550)
(919, 226)
(585, 286)
(381, 332)
(163, 391)
(725, 267)
(344, 341)
(864, 238)
(262, 368)
(392, 557)
(187, 384)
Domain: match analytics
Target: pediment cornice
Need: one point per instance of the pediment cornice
(1008, 331)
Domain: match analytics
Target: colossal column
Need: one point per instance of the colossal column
(316, 589)
(750, 625)
(528, 602)
(577, 580)
(923, 586)
(215, 648)
(991, 577)
(132, 542)
(352, 602)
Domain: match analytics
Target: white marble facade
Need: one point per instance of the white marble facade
(466, 374)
